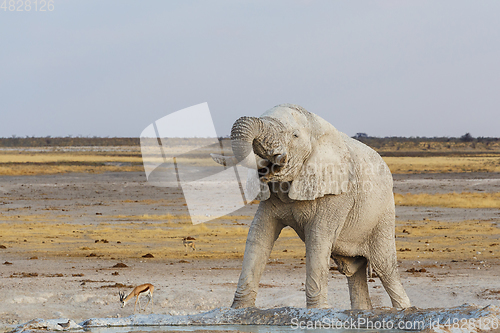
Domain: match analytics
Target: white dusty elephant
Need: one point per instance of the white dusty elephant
(334, 191)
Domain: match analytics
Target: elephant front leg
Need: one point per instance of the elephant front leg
(261, 237)
(318, 252)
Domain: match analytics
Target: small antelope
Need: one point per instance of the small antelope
(145, 290)
(189, 242)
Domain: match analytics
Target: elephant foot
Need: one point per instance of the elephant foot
(242, 305)
(239, 304)
(315, 299)
(401, 303)
(317, 306)
(244, 299)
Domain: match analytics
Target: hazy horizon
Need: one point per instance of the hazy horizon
(70, 136)
(384, 68)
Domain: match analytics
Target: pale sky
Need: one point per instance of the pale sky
(386, 68)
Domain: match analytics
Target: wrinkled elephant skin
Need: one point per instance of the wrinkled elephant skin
(334, 191)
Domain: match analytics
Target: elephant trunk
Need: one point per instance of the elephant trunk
(244, 131)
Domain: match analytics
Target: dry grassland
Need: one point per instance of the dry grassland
(450, 200)
(169, 217)
(48, 157)
(434, 240)
(441, 164)
(30, 170)
(121, 240)
(22, 162)
(452, 145)
(415, 240)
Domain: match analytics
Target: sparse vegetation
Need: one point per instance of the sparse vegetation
(450, 200)
(163, 239)
(446, 240)
(32, 156)
(443, 164)
(465, 144)
(67, 142)
(414, 239)
(438, 146)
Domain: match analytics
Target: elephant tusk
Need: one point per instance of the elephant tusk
(247, 162)
(224, 160)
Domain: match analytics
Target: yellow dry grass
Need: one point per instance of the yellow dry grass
(435, 240)
(22, 162)
(45, 157)
(451, 200)
(173, 218)
(415, 240)
(88, 156)
(441, 164)
(30, 170)
(133, 240)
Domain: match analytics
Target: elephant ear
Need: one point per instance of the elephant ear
(327, 169)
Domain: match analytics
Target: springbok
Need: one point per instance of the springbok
(144, 289)
(189, 242)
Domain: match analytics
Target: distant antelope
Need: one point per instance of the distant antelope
(145, 290)
(189, 242)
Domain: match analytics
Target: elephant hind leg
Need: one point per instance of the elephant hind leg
(386, 268)
(358, 289)
(355, 271)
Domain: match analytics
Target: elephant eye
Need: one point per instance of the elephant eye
(295, 135)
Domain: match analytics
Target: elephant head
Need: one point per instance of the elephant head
(290, 144)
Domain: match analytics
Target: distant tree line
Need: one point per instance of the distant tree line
(405, 143)
(465, 142)
(467, 137)
(67, 141)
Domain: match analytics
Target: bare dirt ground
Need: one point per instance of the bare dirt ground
(479, 182)
(446, 182)
(63, 235)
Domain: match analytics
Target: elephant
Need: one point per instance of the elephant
(334, 191)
